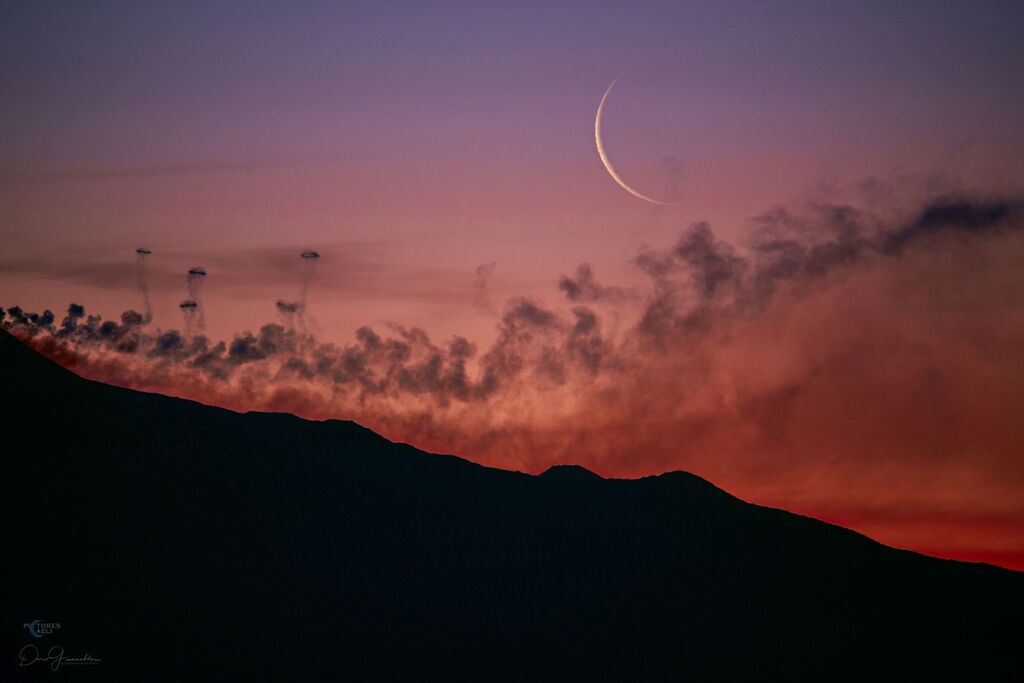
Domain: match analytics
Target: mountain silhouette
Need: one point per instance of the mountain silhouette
(177, 541)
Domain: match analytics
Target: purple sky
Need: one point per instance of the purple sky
(440, 157)
(413, 142)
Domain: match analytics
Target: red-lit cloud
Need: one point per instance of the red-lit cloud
(858, 365)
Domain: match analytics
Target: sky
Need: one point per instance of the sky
(827, 319)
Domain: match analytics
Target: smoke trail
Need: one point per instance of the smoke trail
(700, 288)
(141, 254)
(309, 259)
(481, 286)
(190, 313)
(291, 314)
(294, 313)
(194, 311)
(837, 349)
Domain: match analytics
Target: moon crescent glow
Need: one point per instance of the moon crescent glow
(607, 163)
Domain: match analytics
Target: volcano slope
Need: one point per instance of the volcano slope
(178, 541)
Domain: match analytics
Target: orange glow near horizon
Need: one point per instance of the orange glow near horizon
(825, 316)
(883, 397)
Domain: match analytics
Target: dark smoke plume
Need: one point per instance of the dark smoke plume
(584, 287)
(293, 314)
(309, 261)
(192, 308)
(696, 287)
(141, 254)
(838, 352)
(481, 286)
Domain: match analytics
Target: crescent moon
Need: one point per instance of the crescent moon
(607, 163)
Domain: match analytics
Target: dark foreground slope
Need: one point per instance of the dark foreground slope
(181, 542)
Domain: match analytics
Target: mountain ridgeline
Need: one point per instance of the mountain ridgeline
(177, 541)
